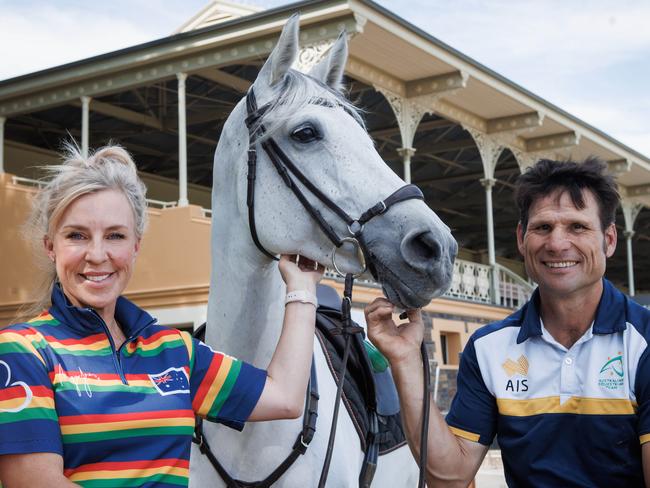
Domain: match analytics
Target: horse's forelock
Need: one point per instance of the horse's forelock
(293, 94)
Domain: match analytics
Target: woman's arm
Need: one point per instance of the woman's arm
(36, 470)
(288, 372)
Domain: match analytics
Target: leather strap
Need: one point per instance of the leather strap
(299, 446)
(288, 171)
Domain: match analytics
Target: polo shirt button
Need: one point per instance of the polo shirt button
(568, 361)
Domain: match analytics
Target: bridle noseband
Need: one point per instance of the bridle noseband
(288, 171)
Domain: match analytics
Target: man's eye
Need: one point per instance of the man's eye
(305, 133)
(577, 226)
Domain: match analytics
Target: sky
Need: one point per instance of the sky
(589, 57)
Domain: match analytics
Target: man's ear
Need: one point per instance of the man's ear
(611, 236)
(520, 238)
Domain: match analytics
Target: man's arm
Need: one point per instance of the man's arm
(451, 460)
(35, 470)
(645, 460)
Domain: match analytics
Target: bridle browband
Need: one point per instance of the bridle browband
(286, 169)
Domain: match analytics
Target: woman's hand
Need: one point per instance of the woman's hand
(396, 342)
(302, 276)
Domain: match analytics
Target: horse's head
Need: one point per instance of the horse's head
(411, 251)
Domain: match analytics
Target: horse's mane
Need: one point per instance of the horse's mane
(294, 93)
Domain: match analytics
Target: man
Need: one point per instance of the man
(564, 382)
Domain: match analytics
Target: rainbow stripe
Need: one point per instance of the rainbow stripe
(123, 418)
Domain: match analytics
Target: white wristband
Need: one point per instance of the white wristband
(302, 296)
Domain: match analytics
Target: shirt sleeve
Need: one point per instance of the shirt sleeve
(223, 389)
(642, 392)
(28, 419)
(473, 412)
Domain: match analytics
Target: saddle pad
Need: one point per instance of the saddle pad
(360, 387)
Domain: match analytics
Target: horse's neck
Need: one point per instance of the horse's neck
(246, 306)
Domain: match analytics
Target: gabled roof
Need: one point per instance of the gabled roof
(217, 12)
(385, 52)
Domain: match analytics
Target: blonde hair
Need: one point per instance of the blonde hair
(108, 168)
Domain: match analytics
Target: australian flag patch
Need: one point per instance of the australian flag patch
(172, 381)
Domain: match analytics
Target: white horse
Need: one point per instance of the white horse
(413, 249)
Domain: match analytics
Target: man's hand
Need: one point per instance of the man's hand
(397, 342)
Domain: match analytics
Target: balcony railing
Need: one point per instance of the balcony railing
(473, 282)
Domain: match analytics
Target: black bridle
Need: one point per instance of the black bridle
(288, 171)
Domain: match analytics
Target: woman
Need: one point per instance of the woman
(93, 391)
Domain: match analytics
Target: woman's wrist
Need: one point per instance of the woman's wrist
(301, 296)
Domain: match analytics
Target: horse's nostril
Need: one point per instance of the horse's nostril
(421, 249)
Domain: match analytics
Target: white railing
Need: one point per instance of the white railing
(514, 291)
(473, 282)
(160, 204)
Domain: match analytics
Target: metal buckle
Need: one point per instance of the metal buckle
(360, 257)
(357, 226)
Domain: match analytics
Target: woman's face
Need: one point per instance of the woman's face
(94, 247)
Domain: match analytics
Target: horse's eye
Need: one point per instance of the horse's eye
(305, 133)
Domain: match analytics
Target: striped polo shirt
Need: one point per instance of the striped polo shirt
(562, 417)
(119, 417)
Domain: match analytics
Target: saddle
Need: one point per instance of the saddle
(367, 394)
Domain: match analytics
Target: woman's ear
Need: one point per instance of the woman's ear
(49, 248)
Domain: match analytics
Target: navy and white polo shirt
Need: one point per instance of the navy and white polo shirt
(562, 417)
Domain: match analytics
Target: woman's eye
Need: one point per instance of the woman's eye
(75, 236)
(116, 235)
(305, 133)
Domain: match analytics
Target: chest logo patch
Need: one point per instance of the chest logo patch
(15, 396)
(172, 381)
(611, 375)
(518, 367)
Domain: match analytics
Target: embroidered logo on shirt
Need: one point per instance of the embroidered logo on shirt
(512, 368)
(15, 396)
(519, 367)
(172, 381)
(611, 375)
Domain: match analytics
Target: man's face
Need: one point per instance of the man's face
(564, 248)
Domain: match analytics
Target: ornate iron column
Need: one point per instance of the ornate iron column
(408, 113)
(630, 213)
(85, 122)
(182, 142)
(489, 150)
(2, 144)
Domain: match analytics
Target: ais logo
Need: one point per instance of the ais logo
(512, 368)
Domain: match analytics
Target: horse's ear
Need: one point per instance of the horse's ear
(283, 55)
(331, 68)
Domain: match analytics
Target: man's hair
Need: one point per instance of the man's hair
(547, 176)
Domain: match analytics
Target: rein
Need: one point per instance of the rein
(288, 171)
